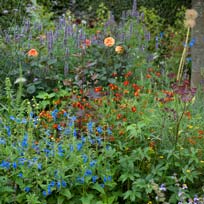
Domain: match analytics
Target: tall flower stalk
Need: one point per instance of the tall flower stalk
(189, 22)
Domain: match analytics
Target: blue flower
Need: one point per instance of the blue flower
(21, 161)
(99, 130)
(73, 118)
(74, 133)
(92, 163)
(99, 140)
(64, 184)
(5, 164)
(24, 142)
(109, 132)
(79, 146)
(58, 184)
(31, 114)
(60, 150)
(59, 127)
(12, 117)
(83, 139)
(80, 180)
(106, 178)
(192, 42)
(52, 184)
(188, 59)
(27, 189)
(102, 185)
(88, 172)
(44, 193)
(39, 166)
(85, 158)
(54, 114)
(20, 175)
(8, 130)
(23, 121)
(67, 131)
(49, 190)
(14, 165)
(2, 141)
(94, 179)
(90, 127)
(161, 34)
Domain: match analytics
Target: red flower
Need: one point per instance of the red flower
(128, 74)
(126, 83)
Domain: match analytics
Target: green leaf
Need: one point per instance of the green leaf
(87, 199)
(66, 193)
(60, 199)
(98, 188)
(51, 61)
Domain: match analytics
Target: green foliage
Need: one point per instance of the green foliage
(12, 13)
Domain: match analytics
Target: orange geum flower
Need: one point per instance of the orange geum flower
(33, 53)
(134, 109)
(87, 42)
(109, 41)
(119, 49)
(98, 89)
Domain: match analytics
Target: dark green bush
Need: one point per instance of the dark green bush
(12, 12)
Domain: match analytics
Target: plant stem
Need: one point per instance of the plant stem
(178, 124)
(181, 65)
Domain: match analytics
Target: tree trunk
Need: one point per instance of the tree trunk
(197, 51)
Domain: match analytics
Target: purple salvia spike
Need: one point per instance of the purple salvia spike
(66, 69)
(40, 27)
(30, 36)
(131, 29)
(67, 52)
(27, 26)
(49, 40)
(65, 36)
(157, 42)
(142, 16)
(7, 38)
(56, 35)
(134, 8)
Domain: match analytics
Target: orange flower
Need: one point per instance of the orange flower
(55, 126)
(98, 89)
(109, 41)
(158, 74)
(32, 53)
(128, 74)
(119, 49)
(87, 43)
(136, 93)
(134, 109)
